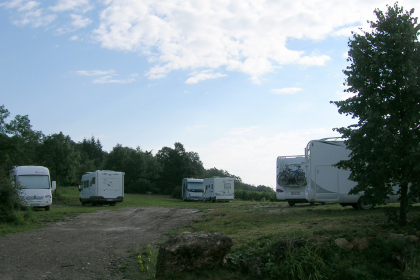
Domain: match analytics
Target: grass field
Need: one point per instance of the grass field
(256, 226)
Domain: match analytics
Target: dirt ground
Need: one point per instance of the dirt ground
(89, 246)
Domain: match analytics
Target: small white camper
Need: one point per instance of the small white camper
(35, 185)
(327, 183)
(290, 179)
(102, 187)
(192, 189)
(219, 189)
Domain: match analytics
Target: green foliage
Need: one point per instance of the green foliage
(384, 75)
(255, 195)
(177, 164)
(59, 154)
(278, 258)
(12, 210)
(141, 168)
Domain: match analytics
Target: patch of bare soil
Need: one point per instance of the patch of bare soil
(90, 246)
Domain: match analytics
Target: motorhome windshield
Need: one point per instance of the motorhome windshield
(34, 181)
(195, 186)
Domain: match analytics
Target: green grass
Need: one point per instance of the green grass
(256, 228)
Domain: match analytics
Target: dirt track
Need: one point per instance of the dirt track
(90, 246)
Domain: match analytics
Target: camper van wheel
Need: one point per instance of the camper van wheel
(362, 205)
(112, 204)
(94, 204)
(291, 203)
(47, 208)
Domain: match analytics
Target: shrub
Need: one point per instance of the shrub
(10, 202)
(254, 195)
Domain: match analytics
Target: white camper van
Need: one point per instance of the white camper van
(290, 179)
(327, 183)
(35, 185)
(102, 187)
(219, 189)
(192, 189)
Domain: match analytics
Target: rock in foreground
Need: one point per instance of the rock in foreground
(188, 252)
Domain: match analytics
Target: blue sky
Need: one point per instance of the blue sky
(240, 83)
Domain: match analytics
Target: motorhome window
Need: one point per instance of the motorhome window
(227, 185)
(86, 184)
(92, 182)
(195, 186)
(34, 181)
(211, 186)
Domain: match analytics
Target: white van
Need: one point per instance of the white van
(192, 189)
(35, 185)
(327, 183)
(219, 189)
(102, 187)
(290, 179)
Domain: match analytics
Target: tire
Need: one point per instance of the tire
(362, 205)
(283, 180)
(291, 203)
(47, 208)
(300, 179)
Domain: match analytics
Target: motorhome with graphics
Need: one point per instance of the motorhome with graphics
(219, 189)
(290, 179)
(102, 187)
(192, 189)
(35, 185)
(327, 183)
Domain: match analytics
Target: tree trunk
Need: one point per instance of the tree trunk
(403, 204)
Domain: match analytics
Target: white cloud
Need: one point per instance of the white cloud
(243, 36)
(283, 91)
(79, 21)
(107, 76)
(109, 79)
(74, 38)
(203, 76)
(28, 6)
(95, 72)
(249, 37)
(35, 18)
(71, 5)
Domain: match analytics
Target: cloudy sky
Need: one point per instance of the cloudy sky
(238, 82)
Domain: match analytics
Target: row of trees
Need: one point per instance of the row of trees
(68, 160)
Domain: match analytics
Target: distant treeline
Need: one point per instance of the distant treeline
(68, 160)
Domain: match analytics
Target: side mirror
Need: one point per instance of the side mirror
(53, 185)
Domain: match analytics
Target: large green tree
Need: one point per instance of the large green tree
(58, 152)
(177, 164)
(141, 168)
(384, 76)
(18, 141)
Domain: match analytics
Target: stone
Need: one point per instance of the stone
(360, 244)
(343, 243)
(192, 252)
(411, 238)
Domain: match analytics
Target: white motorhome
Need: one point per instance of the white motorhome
(192, 189)
(290, 179)
(327, 183)
(102, 187)
(35, 185)
(219, 189)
